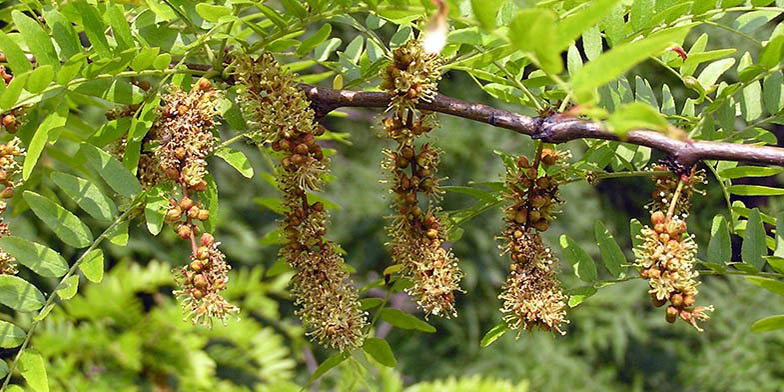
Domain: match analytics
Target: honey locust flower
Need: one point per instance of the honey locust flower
(201, 282)
(667, 254)
(531, 295)
(417, 235)
(279, 115)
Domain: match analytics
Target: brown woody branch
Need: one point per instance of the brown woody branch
(553, 129)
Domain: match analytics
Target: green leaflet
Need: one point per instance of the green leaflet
(65, 224)
(39, 258)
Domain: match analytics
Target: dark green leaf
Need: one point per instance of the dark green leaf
(754, 248)
(580, 294)
(111, 170)
(87, 195)
(779, 235)
(120, 27)
(94, 27)
(327, 365)
(772, 285)
(117, 91)
(210, 200)
(636, 115)
(10, 336)
(570, 28)
(750, 171)
(18, 294)
(719, 247)
(63, 33)
(612, 255)
(400, 319)
(65, 225)
(39, 258)
(36, 38)
(14, 55)
(494, 333)
(771, 323)
(580, 260)
(52, 121)
(155, 209)
(380, 351)
(311, 42)
(370, 303)
(755, 190)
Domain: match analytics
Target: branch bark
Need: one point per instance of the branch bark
(552, 129)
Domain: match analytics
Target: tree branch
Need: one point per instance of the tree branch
(552, 129)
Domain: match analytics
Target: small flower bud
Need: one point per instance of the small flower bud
(173, 214)
(200, 186)
(203, 215)
(207, 239)
(657, 218)
(186, 203)
(672, 314)
(193, 212)
(676, 299)
(184, 231)
(204, 84)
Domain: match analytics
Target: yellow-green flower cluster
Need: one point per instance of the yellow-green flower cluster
(279, 115)
(531, 295)
(417, 230)
(667, 255)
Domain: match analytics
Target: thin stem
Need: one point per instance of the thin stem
(53, 295)
(674, 201)
(723, 188)
(231, 140)
(378, 311)
(734, 31)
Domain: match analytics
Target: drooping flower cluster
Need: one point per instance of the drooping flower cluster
(417, 230)
(280, 116)
(184, 131)
(183, 135)
(667, 254)
(532, 295)
(11, 154)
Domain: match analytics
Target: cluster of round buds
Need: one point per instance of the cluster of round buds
(11, 154)
(184, 131)
(667, 184)
(535, 197)
(667, 254)
(531, 295)
(201, 282)
(279, 115)
(9, 120)
(7, 262)
(416, 230)
(412, 76)
(184, 214)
